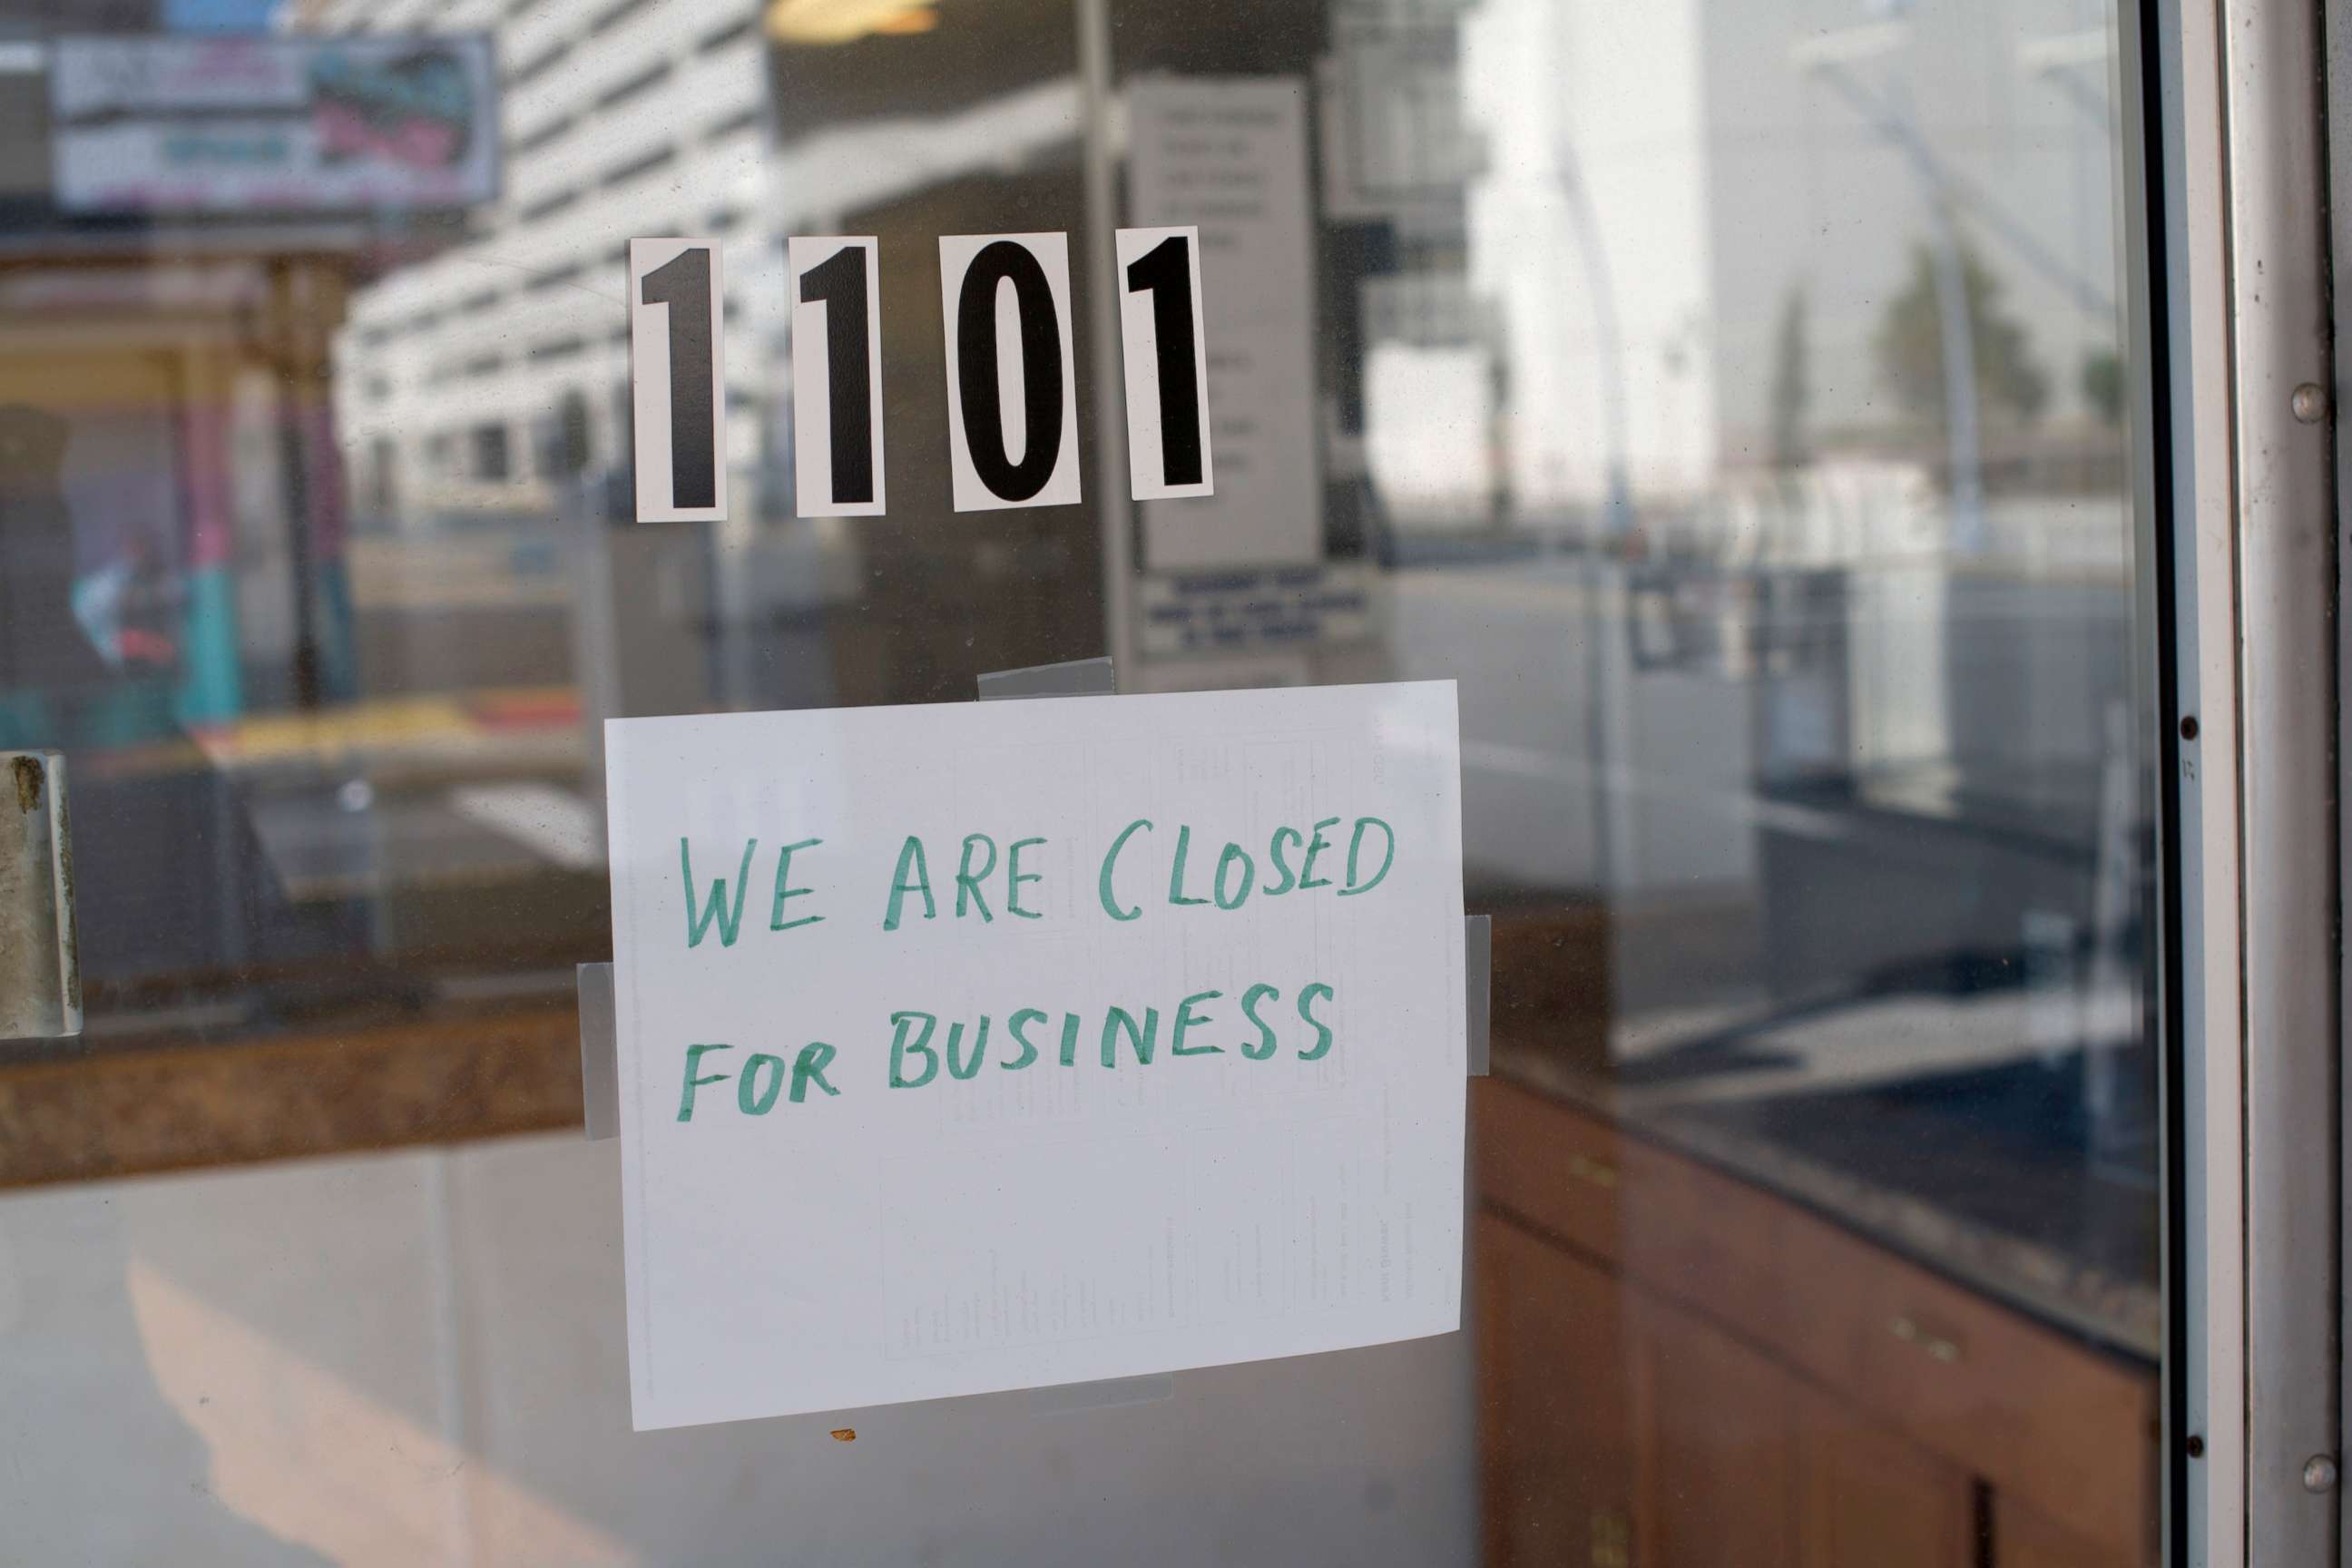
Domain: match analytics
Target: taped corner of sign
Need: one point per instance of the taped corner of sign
(1073, 678)
(600, 1058)
(1478, 983)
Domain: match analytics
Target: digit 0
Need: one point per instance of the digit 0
(976, 272)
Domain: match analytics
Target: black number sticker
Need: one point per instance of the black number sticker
(678, 390)
(1161, 336)
(1012, 389)
(836, 377)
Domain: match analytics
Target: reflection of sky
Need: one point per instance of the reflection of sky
(1721, 177)
(1609, 95)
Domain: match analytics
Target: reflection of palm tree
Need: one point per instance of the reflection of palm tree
(1909, 342)
(1828, 59)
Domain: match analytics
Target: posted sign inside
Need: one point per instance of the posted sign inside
(984, 1047)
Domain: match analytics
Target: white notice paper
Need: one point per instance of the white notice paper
(1229, 154)
(989, 1046)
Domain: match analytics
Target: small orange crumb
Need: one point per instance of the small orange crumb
(844, 1434)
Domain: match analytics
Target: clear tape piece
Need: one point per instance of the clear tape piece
(1077, 678)
(600, 1058)
(1478, 983)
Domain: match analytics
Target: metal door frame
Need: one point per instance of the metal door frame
(2227, 187)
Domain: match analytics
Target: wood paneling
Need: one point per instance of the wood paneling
(1555, 1419)
(2055, 1424)
(2023, 1539)
(1553, 1168)
(1718, 1458)
(1797, 1396)
(1872, 1500)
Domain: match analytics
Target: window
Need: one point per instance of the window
(489, 452)
(1767, 415)
(538, 65)
(548, 207)
(644, 81)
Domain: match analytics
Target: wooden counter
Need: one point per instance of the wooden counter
(1680, 1370)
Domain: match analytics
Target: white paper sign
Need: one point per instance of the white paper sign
(1230, 155)
(1012, 386)
(989, 1046)
(677, 379)
(836, 376)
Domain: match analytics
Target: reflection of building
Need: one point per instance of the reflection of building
(185, 218)
(467, 381)
(1644, 197)
(1588, 232)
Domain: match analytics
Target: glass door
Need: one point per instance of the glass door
(1759, 407)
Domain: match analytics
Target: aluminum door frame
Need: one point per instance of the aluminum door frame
(2241, 532)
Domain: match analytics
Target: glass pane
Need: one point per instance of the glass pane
(1729, 397)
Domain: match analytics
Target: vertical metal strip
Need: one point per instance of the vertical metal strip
(2339, 106)
(2156, 545)
(1099, 147)
(2285, 535)
(2189, 404)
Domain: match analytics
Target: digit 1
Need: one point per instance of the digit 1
(1165, 271)
(839, 284)
(1041, 370)
(683, 283)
